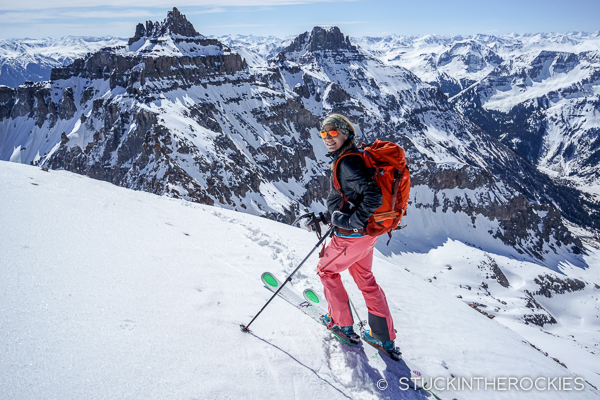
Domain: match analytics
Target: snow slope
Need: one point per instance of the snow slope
(110, 293)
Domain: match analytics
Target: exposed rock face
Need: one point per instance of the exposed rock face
(180, 25)
(175, 23)
(67, 107)
(32, 101)
(134, 72)
(552, 285)
(497, 274)
(321, 38)
(540, 315)
(7, 101)
(196, 124)
(526, 226)
(320, 43)
(554, 128)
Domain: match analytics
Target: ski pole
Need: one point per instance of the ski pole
(289, 278)
(361, 323)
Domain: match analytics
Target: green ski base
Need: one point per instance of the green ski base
(303, 304)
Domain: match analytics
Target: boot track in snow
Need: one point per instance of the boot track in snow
(313, 306)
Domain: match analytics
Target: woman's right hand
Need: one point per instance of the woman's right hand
(345, 221)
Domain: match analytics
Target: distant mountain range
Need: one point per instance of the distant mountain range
(32, 60)
(233, 121)
(501, 83)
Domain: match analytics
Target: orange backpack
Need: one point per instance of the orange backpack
(386, 160)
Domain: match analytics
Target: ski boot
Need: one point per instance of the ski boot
(385, 345)
(346, 332)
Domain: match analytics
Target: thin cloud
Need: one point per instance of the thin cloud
(115, 14)
(345, 23)
(74, 29)
(57, 15)
(23, 18)
(44, 4)
(329, 23)
(213, 10)
(238, 26)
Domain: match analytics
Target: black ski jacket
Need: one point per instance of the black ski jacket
(358, 186)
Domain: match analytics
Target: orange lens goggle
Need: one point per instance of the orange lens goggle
(332, 133)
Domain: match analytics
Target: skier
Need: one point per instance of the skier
(350, 247)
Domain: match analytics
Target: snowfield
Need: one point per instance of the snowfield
(108, 293)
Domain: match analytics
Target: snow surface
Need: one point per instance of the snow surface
(111, 293)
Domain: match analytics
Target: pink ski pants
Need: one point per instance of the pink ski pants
(354, 254)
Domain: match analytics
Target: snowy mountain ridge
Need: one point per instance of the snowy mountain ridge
(546, 107)
(537, 93)
(175, 37)
(497, 92)
(32, 59)
(257, 50)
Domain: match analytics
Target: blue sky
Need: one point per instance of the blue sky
(56, 18)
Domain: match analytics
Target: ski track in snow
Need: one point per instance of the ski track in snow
(111, 293)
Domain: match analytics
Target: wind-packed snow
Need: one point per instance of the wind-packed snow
(111, 293)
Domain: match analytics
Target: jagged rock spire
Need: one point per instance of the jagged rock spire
(321, 38)
(175, 23)
(179, 24)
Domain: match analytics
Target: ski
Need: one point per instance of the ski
(311, 304)
(298, 301)
(416, 374)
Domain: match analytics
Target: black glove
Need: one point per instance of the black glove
(345, 221)
(317, 221)
(325, 218)
(313, 226)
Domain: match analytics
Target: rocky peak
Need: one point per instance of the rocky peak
(171, 51)
(180, 25)
(321, 38)
(175, 23)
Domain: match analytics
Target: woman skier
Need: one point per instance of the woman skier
(350, 247)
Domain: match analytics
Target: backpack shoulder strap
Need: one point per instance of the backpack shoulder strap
(334, 177)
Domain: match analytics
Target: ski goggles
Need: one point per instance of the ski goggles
(332, 133)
